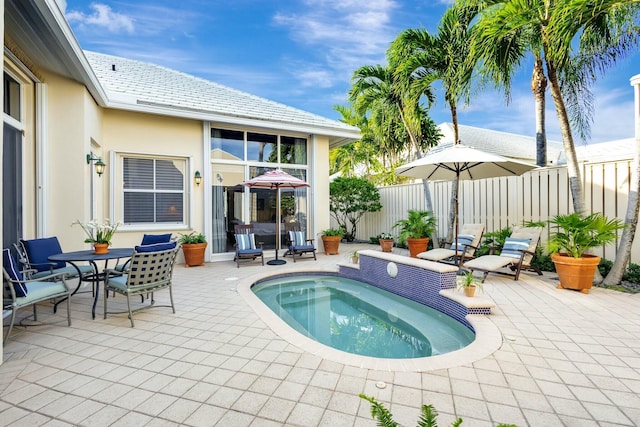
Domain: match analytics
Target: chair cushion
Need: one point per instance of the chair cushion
(513, 246)
(156, 247)
(459, 244)
(69, 270)
(151, 239)
(300, 248)
(437, 254)
(249, 252)
(245, 241)
(11, 267)
(490, 262)
(297, 238)
(42, 290)
(38, 252)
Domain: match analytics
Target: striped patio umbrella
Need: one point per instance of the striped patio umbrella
(275, 180)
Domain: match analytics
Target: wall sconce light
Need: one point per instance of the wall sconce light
(99, 166)
(197, 178)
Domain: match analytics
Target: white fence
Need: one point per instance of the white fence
(501, 202)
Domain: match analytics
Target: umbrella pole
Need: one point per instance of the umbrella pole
(277, 261)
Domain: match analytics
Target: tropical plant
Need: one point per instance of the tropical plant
(417, 225)
(192, 238)
(575, 234)
(349, 199)
(96, 232)
(468, 280)
(385, 236)
(332, 232)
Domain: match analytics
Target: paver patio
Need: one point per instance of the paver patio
(567, 359)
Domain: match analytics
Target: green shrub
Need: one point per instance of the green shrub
(632, 274)
(604, 267)
(543, 261)
(494, 239)
(192, 238)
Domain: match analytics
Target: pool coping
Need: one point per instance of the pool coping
(488, 337)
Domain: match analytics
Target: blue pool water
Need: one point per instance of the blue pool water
(359, 318)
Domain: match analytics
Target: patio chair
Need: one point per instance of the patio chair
(297, 242)
(147, 239)
(19, 291)
(150, 270)
(245, 245)
(517, 254)
(35, 255)
(463, 249)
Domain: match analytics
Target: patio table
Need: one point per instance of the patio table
(92, 258)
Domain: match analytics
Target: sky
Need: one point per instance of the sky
(303, 54)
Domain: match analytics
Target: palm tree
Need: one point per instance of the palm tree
(423, 58)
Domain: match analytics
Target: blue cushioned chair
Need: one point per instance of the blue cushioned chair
(36, 253)
(297, 242)
(19, 291)
(246, 248)
(148, 240)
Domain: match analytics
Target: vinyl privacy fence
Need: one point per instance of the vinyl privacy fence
(503, 202)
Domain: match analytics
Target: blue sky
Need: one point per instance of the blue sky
(303, 53)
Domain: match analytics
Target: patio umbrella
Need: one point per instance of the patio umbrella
(465, 163)
(276, 179)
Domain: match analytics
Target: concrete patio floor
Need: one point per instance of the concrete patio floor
(566, 359)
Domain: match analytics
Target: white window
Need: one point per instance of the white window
(154, 190)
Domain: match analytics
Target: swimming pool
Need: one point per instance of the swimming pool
(361, 319)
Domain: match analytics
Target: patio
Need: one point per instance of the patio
(567, 359)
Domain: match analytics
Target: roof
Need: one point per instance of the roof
(142, 86)
(505, 144)
(621, 149)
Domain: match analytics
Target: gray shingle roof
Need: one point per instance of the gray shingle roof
(131, 83)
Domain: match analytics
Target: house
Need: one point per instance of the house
(157, 130)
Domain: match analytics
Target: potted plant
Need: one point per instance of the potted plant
(193, 247)
(331, 238)
(416, 229)
(99, 235)
(575, 234)
(355, 256)
(386, 242)
(468, 283)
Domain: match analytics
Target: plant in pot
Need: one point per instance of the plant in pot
(386, 242)
(355, 257)
(193, 247)
(416, 229)
(468, 283)
(331, 238)
(574, 235)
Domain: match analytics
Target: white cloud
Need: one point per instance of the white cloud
(104, 17)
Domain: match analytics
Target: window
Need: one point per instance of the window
(153, 190)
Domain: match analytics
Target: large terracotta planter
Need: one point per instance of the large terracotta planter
(193, 253)
(576, 273)
(417, 245)
(331, 244)
(386, 245)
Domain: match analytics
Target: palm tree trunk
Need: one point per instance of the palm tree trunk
(452, 219)
(575, 180)
(539, 88)
(631, 221)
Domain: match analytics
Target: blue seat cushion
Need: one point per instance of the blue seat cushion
(512, 247)
(11, 266)
(303, 248)
(463, 239)
(156, 247)
(41, 290)
(245, 241)
(249, 251)
(69, 270)
(152, 239)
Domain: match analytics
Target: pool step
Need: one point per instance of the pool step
(475, 302)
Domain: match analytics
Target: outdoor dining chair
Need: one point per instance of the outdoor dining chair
(35, 253)
(246, 248)
(297, 242)
(19, 291)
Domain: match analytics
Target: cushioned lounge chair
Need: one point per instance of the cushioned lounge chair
(19, 291)
(246, 248)
(463, 249)
(517, 254)
(297, 242)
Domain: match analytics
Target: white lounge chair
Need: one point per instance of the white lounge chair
(517, 254)
(465, 247)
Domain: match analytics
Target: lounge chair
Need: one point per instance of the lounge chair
(463, 249)
(246, 248)
(517, 254)
(297, 242)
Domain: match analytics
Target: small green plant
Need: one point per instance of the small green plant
(417, 225)
(632, 274)
(605, 267)
(493, 240)
(467, 280)
(333, 232)
(355, 256)
(543, 261)
(191, 238)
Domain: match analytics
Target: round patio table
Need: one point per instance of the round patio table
(92, 258)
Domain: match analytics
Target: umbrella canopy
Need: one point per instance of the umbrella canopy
(462, 162)
(276, 179)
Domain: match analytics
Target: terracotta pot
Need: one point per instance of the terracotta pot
(331, 244)
(193, 253)
(469, 291)
(576, 273)
(354, 260)
(386, 245)
(100, 248)
(417, 245)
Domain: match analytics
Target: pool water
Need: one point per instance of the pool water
(359, 318)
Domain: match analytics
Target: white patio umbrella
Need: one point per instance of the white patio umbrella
(276, 179)
(465, 163)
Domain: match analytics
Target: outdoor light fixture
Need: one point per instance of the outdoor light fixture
(99, 166)
(197, 178)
